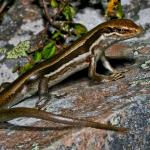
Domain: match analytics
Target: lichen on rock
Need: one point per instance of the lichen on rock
(19, 50)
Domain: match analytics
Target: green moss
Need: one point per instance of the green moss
(3, 50)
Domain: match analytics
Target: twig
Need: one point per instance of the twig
(46, 11)
(3, 6)
(56, 24)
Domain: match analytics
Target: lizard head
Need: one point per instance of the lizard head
(121, 29)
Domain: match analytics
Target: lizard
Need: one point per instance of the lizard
(81, 54)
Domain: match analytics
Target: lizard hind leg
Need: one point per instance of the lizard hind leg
(44, 95)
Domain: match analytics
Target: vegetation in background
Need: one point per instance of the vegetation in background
(59, 16)
(114, 9)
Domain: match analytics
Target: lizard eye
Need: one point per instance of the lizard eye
(120, 30)
(123, 31)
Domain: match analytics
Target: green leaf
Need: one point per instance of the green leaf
(69, 12)
(56, 35)
(49, 50)
(53, 3)
(119, 13)
(26, 67)
(79, 29)
(37, 57)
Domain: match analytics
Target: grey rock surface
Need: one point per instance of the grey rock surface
(125, 102)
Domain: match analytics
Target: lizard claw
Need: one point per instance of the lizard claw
(117, 75)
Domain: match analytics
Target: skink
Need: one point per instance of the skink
(83, 53)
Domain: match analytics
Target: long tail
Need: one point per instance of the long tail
(12, 113)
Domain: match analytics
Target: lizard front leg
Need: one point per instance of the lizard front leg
(116, 74)
(96, 54)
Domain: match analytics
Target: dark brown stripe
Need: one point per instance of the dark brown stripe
(67, 68)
